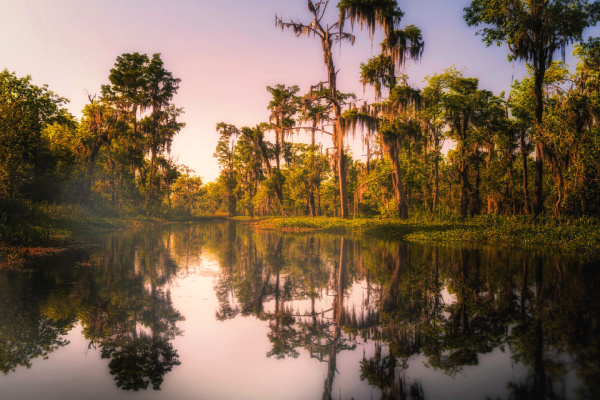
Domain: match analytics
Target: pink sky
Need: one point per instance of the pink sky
(226, 52)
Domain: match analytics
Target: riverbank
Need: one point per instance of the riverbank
(577, 236)
(29, 230)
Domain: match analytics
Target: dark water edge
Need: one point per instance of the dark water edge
(216, 310)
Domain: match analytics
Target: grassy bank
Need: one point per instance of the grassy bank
(580, 235)
(30, 229)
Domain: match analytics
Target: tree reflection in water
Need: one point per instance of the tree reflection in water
(319, 296)
(34, 318)
(450, 305)
(127, 313)
(119, 300)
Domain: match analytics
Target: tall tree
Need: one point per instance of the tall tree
(468, 111)
(432, 118)
(522, 104)
(248, 161)
(161, 87)
(187, 191)
(224, 155)
(396, 122)
(534, 31)
(283, 107)
(99, 126)
(399, 45)
(328, 35)
(314, 112)
(129, 95)
(586, 102)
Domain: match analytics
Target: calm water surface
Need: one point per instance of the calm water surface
(217, 311)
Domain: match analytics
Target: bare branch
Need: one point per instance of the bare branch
(298, 28)
(310, 128)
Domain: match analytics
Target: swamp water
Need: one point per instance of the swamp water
(218, 311)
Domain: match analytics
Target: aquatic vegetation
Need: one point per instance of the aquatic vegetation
(581, 235)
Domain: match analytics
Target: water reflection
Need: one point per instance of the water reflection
(33, 318)
(319, 297)
(450, 305)
(117, 297)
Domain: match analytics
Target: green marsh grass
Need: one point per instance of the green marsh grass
(577, 235)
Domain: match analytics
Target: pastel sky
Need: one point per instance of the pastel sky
(225, 51)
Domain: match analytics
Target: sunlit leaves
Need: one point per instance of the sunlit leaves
(533, 29)
(25, 110)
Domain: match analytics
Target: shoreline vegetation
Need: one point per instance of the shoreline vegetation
(522, 170)
(570, 236)
(33, 230)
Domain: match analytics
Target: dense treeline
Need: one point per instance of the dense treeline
(114, 158)
(490, 167)
(447, 148)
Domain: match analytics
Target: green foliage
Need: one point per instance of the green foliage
(576, 236)
(188, 193)
(58, 175)
(485, 172)
(115, 157)
(377, 72)
(527, 25)
(370, 14)
(534, 31)
(25, 111)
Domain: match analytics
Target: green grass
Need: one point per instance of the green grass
(580, 235)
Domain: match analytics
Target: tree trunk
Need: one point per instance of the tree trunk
(488, 177)
(87, 190)
(390, 147)
(436, 180)
(231, 205)
(338, 133)
(311, 202)
(540, 69)
(368, 155)
(538, 200)
(278, 147)
(525, 173)
(399, 191)
(319, 210)
(151, 181)
(560, 191)
(343, 184)
(113, 188)
(476, 200)
(465, 188)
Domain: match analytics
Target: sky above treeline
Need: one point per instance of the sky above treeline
(225, 52)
